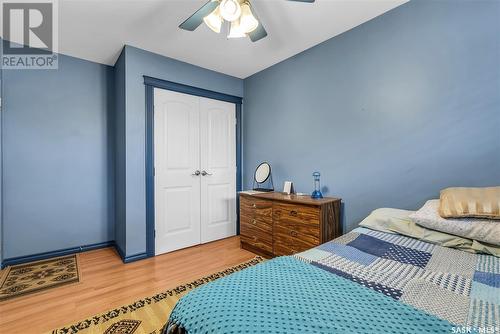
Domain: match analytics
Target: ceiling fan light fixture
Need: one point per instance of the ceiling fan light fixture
(235, 31)
(230, 10)
(214, 20)
(248, 22)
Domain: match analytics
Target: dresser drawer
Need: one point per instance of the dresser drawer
(256, 226)
(298, 221)
(257, 233)
(286, 244)
(261, 215)
(257, 243)
(311, 237)
(283, 250)
(256, 208)
(296, 214)
(255, 203)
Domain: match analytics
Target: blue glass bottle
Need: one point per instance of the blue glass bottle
(317, 187)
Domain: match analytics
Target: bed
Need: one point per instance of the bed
(366, 281)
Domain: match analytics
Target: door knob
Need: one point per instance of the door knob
(197, 173)
(204, 173)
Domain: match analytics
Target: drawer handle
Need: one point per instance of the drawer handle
(293, 233)
(254, 238)
(254, 206)
(293, 213)
(254, 222)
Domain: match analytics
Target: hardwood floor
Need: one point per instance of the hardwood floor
(108, 283)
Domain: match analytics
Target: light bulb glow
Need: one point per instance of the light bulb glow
(248, 22)
(236, 31)
(230, 10)
(214, 20)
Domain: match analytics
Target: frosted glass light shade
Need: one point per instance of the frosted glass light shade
(214, 20)
(236, 31)
(230, 10)
(248, 22)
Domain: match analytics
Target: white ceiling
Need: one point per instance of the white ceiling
(96, 30)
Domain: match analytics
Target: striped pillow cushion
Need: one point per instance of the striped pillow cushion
(484, 230)
(470, 202)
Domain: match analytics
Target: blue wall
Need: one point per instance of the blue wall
(57, 166)
(389, 112)
(73, 159)
(119, 153)
(137, 64)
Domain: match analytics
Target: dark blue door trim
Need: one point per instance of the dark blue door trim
(150, 179)
(150, 84)
(176, 87)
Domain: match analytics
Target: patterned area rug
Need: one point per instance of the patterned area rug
(24, 279)
(145, 316)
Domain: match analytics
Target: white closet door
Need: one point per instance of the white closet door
(177, 157)
(218, 160)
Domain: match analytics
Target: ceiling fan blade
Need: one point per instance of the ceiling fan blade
(259, 32)
(310, 1)
(196, 19)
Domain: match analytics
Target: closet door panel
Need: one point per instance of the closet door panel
(218, 160)
(177, 157)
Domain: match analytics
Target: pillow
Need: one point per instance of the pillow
(398, 221)
(470, 202)
(471, 228)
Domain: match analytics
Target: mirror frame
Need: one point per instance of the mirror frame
(256, 169)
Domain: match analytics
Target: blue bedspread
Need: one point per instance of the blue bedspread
(363, 282)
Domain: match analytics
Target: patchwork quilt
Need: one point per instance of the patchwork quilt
(363, 282)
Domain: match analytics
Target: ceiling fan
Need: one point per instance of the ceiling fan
(239, 13)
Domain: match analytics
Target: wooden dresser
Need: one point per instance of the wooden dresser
(275, 224)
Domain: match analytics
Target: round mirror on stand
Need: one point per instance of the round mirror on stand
(261, 175)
